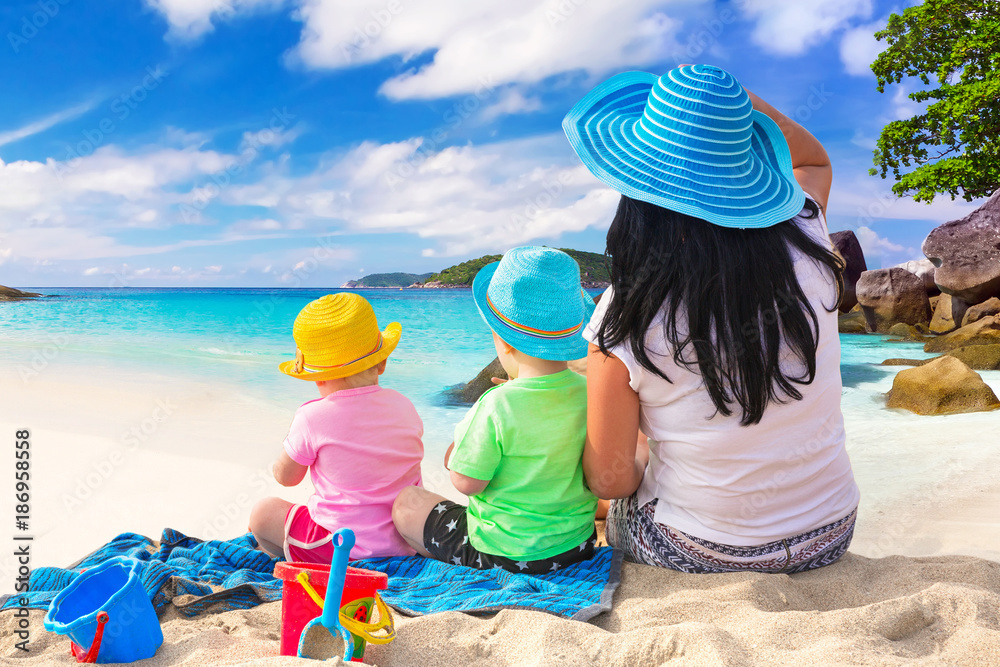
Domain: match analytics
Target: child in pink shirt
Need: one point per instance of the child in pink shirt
(360, 442)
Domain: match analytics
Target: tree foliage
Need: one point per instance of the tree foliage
(593, 268)
(464, 273)
(392, 279)
(954, 143)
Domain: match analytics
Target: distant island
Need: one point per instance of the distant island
(11, 294)
(389, 280)
(593, 274)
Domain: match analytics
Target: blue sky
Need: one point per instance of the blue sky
(308, 142)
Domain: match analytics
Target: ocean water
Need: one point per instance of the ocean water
(239, 336)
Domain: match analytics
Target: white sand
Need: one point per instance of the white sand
(893, 611)
(102, 464)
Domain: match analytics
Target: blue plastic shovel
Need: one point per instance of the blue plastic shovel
(343, 542)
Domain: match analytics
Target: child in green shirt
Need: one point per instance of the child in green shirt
(517, 453)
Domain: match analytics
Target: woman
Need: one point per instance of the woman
(718, 336)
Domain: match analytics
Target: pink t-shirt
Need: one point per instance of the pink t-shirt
(362, 447)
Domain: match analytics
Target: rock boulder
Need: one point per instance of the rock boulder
(849, 247)
(891, 296)
(905, 362)
(940, 387)
(852, 323)
(978, 357)
(11, 294)
(967, 253)
(471, 391)
(906, 332)
(923, 269)
(984, 332)
(948, 313)
(979, 311)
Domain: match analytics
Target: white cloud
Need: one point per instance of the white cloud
(10, 136)
(862, 140)
(791, 28)
(178, 137)
(468, 198)
(190, 19)
(511, 102)
(864, 200)
(859, 48)
(493, 41)
(902, 106)
(268, 137)
(56, 211)
(875, 245)
(256, 225)
(110, 187)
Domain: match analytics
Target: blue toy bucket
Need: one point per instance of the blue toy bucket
(107, 614)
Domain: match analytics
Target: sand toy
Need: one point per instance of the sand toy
(303, 597)
(107, 610)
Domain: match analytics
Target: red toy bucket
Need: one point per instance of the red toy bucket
(298, 607)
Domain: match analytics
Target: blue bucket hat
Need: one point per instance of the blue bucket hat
(689, 141)
(532, 299)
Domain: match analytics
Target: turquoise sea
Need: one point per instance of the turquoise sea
(239, 336)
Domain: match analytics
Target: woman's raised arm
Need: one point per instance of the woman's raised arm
(810, 162)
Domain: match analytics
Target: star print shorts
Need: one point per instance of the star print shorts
(446, 538)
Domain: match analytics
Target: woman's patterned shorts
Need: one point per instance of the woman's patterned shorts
(633, 529)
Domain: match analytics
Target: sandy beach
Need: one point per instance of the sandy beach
(115, 452)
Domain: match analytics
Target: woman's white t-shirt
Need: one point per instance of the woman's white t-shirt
(745, 485)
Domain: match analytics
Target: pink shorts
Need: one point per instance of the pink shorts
(305, 540)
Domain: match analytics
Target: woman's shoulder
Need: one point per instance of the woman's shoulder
(813, 223)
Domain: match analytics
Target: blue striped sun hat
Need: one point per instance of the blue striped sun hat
(532, 299)
(689, 141)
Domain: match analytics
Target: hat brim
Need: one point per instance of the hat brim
(564, 349)
(761, 193)
(390, 339)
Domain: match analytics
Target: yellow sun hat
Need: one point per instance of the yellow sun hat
(337, 335)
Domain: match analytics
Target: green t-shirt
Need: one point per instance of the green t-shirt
(526, 436)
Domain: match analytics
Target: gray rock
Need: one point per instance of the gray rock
(891, 296)
(471, 391)
(923, 269)
(847, 244)
(967, 253)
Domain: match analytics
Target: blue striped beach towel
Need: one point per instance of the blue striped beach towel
(206, 577)
(193, 575)
(420, 585)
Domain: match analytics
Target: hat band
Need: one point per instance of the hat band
(313, 368)
(531, 331)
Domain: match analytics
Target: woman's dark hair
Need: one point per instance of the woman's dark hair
(734, 291)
